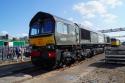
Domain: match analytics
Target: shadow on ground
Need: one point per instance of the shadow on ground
(103, 64)
(22, 69)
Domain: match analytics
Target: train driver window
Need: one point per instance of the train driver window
(47, 26)
(35, 29)
(62, 28)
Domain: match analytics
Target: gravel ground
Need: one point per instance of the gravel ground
(103, 75)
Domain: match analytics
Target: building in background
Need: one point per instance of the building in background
(7, 40)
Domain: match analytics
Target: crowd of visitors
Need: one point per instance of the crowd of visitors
(13, 53)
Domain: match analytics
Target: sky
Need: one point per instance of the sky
(15, 15)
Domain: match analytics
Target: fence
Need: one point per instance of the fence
(9, 53)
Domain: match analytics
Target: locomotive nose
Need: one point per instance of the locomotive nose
(50, 54)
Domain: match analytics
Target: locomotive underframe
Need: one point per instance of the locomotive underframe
(64, 54)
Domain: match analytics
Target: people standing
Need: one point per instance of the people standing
(5, 52)
(22, 53)
(9, 55)
(17, 53)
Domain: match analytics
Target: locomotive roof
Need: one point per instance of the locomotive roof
(63, 20)
(55, 18)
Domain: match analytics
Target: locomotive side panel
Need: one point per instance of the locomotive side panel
(94, 38)
(101, 39)
(84, 36)
(107, 40)
(65, 34)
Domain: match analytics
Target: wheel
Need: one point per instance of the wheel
(67, 61)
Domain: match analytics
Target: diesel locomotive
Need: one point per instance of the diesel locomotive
(56, 41)
(115, 42)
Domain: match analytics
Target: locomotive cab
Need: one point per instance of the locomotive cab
(48, 34)
(42, 28)
(115, 42)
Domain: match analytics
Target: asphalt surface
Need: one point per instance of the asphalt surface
(91, 70)
(22, 72)
(9, 69)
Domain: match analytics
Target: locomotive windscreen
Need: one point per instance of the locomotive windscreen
(42, 26)
(85, 34)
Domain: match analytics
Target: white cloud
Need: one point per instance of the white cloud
(84, 9)
(112, 3)
(90, 9)
(71, 19)
(97, 7)
(4, 32)
(87, 23)
(94, 8)
(24, 34)
(109, 18)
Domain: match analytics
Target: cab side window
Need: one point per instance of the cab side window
(62, 28)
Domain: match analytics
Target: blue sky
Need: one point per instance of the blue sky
(15, 15)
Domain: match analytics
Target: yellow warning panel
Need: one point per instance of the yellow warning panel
(42, 41)
(115, 43)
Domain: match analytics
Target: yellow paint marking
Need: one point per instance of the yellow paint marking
(42, 41)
